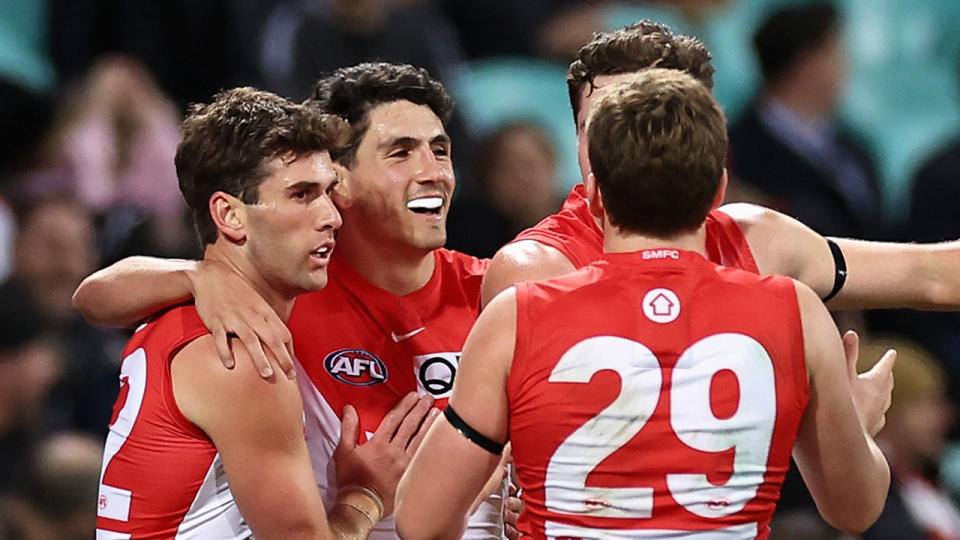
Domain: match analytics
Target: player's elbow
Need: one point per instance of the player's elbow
(855, 521)
(414, 525)
(855, 513)
(84, 301)
(419, 521)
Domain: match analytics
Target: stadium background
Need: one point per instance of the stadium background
(91, 93)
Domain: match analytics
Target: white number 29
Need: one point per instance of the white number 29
(748, 431)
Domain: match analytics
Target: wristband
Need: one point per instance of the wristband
(363, 500)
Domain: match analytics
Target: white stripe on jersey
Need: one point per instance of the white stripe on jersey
(746, 531)
(214, 512)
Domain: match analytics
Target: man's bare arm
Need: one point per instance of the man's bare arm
(257, 428)
(135, 288)
(526, 260)
(449, 471)
(879, 274)
(127, 292)
(841, 465)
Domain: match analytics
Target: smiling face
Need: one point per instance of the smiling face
(290, 230)
(400, 185)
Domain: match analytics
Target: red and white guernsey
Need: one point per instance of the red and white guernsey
(574, 232)
(361, 345)
(162, 477)
(655, 394)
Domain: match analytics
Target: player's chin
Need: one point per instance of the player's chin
(316, 280)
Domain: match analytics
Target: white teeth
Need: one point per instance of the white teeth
(323, 251)
(426, 203)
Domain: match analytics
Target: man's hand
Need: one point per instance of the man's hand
(379, 463)
(228, 305)
(871, 390)
(511, 513)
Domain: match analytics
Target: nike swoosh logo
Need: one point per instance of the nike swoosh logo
(397, 338)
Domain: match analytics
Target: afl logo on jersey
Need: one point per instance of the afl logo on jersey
(355, 366)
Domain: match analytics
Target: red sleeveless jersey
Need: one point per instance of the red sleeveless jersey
(358, 344)
(655, 394)
(574, 232)
(162, 477)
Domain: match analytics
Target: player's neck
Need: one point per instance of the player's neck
(233, 257)
(616, 241)
(398, 269)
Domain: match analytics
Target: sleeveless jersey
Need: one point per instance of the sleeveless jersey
(655, 394)
(162, 477)
(574, 232)
(361, 345)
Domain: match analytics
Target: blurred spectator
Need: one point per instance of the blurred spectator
(789, 144)
(508, 28)
(193, 48)
(516, 187)
(304, 39)
(54, 252)
(28, 370)
(57, 499)
(912, 440)
(934, 218)
(112, 146)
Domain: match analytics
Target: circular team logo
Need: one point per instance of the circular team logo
(661, 305)
(436, 375)
(355, 366)
(436, 372)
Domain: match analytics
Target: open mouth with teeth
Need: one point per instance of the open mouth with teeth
(426, 205)
(324, 252)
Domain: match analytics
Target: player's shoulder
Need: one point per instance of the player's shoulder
(755, 220)
(169, 329)
(531, 260)
(199, 375)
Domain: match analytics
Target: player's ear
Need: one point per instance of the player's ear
(721, 191)
(593, 196)
(229, 215)
(342, 194)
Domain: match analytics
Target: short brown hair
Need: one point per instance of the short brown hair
(227, 143)
(352, 92)
(657, 147)
(641, 45)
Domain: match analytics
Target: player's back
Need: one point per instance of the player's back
(655, 394)
(162, 477)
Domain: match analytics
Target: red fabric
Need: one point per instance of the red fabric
(607, 299)
(575, 233)
(164, 459)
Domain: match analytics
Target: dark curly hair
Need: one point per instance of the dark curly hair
(657, 146)
(352, 92)
(227, 143)
(641, 45)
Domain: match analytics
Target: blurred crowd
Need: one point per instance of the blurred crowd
(844, 114)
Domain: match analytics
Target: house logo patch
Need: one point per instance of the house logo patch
(355, 366)
(661, 305)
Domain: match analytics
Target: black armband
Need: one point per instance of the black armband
(841, 269)
(471, 434)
